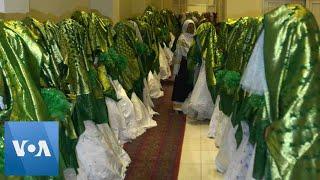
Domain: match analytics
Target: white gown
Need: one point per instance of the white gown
(112, 142)
(240, 164)
(227, 149)
(127, 109)
(147, 101)
(200, 105)
(165, 71)
(143, 117)
(218, 124)
(97, 156)
(154, 86)
(117, 122)
(169, 54)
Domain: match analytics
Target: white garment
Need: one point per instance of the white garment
(70, 174)
(184, 43)
(227, 149)
(249, 175)
(165, 71)
(127, 109)
(96, 157)
(155, 86)
(254, 77)
(239, 166)
(201, 105)
(143, 117)
(218, 124)
(113, 143)
(168, 53)
(117, 122)
(147, 101)
(173, 38)
(2, 105)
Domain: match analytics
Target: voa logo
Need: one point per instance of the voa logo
(42, 148)
(31, 148)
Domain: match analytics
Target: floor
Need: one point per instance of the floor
(198, 152)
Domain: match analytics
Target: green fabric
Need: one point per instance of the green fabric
(99, 40)
(292, 66)
(57, 103)
(114, 62)
(81, 82)
(257, 127)
(194, 61)
(247, 111)
(150, 60)
(125, 39)
(241, 41)
(21, 60)
(205, 49)
(20, 64)
(98, 32)
(51, 66)
(171, 21)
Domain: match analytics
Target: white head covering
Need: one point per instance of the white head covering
(185, 36)
(184, 43)
(186, 24)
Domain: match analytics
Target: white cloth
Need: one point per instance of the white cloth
(70, 174)
(184, 43)
(239, 166)
(127, 109)
(147, 101)
(2, 105)
(173, 38)
(218, 124)
(117, 122)
(112, 142)
(227, 149)
(254, 77)
(169, 54)
(143, 117)
(200, 106)
(155, 86)
(165, 71)
(249, 175)
(96, 157)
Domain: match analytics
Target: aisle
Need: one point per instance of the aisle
(198, 152)
(156, 154)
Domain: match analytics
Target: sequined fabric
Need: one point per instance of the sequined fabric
(292, 66)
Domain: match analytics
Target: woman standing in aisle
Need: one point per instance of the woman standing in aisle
(181, 89)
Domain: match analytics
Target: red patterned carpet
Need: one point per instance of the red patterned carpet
(156, 154)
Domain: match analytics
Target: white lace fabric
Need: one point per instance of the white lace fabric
(254, 78)
(218, 124)
(200, 105)
(241, 162)
(227, 149)
(165, 71)
(154, 85)
(98, 157)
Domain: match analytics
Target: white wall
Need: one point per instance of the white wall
(14, 6)
(241, 8)
(109, 8)
(58, 7)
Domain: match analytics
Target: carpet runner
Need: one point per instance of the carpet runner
(156, 154)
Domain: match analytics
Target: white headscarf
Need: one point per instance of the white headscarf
(184, 43)
(185, 40)
(185, 28)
